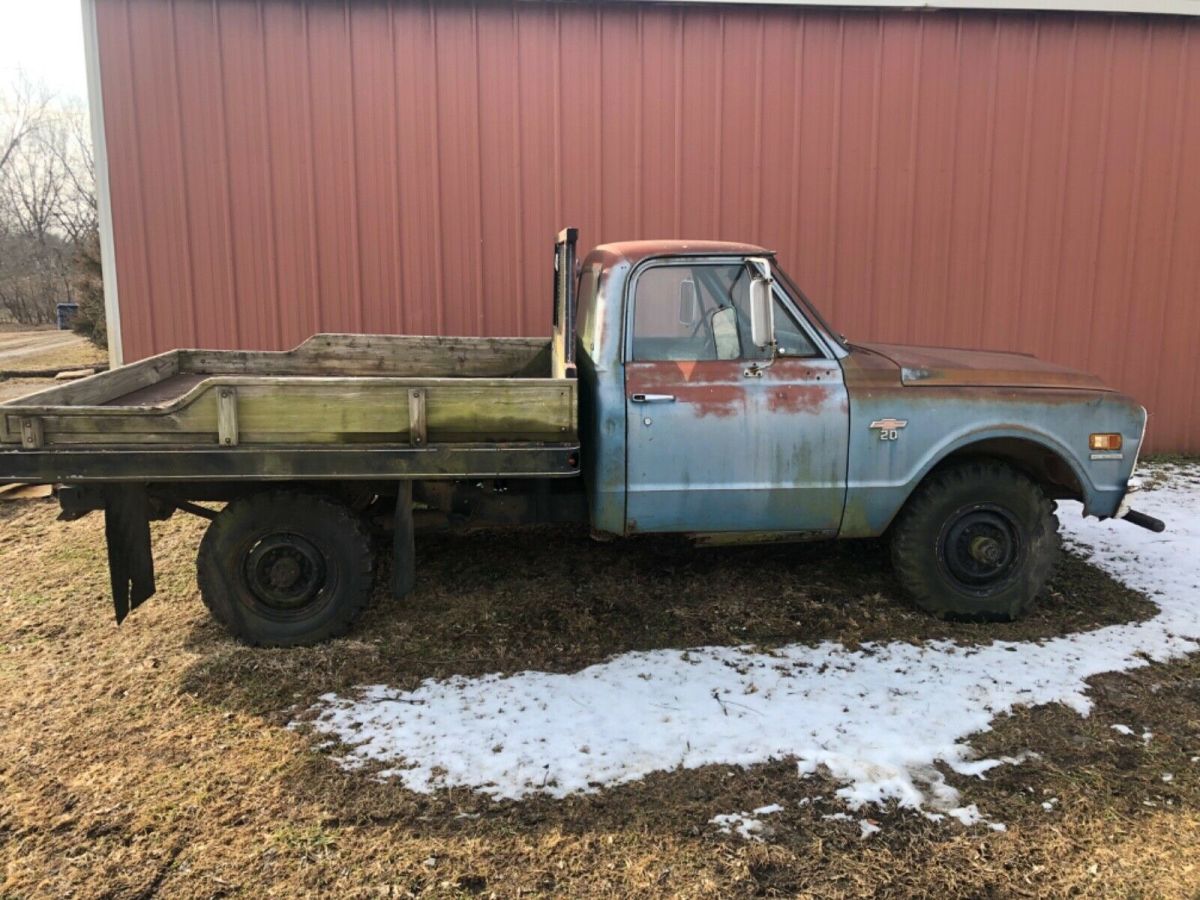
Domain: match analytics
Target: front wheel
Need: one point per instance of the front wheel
(977, 540)
(282, 568)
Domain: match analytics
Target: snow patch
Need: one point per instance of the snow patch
(876, 718)
(768, 809)
(745, 825)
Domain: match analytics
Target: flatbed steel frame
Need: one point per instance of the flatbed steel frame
(266, 463)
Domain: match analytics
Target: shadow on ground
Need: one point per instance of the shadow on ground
(557, 601)
(153, 758)
(554, 600)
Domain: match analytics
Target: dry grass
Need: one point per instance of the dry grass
(12, 388)
(153, 758)
(79, 354)
(11, 327)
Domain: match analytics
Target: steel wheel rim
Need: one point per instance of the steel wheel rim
(285, 574)
(980, 548)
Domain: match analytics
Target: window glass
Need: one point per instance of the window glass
(586, 317)
(790, 338)
(678, 316)
(673, 312)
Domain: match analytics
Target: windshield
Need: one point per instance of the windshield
(800, 298)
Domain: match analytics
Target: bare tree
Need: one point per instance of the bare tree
(32, 186)
(48, 217)
(22, 107)
(76, 216)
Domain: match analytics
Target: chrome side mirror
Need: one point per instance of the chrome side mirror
(762, 303)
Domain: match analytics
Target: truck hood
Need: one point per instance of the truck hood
(951, 367)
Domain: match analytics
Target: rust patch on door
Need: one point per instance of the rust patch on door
(798, 398)
(709, 388)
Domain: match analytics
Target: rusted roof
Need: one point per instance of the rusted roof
(635, 251)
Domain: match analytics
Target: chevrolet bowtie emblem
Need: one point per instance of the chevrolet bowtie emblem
(889, 429)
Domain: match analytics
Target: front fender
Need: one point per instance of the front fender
(883, 474)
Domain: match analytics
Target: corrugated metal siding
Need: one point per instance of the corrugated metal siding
(1004, 180)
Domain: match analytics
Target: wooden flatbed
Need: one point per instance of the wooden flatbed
(338, 406)
(445, 424)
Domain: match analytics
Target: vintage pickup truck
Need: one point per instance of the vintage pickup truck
(688, 387)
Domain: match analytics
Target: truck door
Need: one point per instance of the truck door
(720, 438)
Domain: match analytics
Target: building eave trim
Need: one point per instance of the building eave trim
(1152, 7)
(108, 253)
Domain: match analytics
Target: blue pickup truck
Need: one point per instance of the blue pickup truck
(688, 387)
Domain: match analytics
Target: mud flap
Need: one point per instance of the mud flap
(130, 560)
(404, 562)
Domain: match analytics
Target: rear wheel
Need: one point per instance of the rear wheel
(283, 568)
(977, 540)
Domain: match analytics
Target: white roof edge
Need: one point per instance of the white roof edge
(1151, 7)
(108, 250)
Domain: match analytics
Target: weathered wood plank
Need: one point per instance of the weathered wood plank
(454, 411)
(164, 393)
(471, 411)
(99, 389)
(375, 354)
(129, 439)
(198, 416)
(317, 409)
(316, 406)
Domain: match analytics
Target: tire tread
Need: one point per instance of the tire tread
(211, 579)
(911, 554)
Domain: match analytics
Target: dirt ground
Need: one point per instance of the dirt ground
(38, 350)
(154, 758)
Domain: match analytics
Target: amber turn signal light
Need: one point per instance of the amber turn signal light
(1105, 442)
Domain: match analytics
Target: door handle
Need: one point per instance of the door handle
(652, 398)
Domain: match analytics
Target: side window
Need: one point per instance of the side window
(791, 340)
(685, 312)
(586, 319)
(702, 312)
(669, 312)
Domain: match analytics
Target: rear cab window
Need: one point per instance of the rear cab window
(587, 318)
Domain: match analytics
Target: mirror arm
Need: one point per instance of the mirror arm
(755, 370)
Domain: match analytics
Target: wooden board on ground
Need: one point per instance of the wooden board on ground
(25, 491)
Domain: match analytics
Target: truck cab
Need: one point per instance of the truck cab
(689, 426)
(716, 401)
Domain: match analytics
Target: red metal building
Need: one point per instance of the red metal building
(1022, 180)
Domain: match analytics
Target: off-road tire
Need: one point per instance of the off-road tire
(256, 543)
(936, 549)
